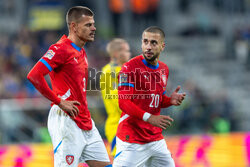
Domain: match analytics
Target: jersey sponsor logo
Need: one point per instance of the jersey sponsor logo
(123, 78)
(49, 54)
(69, 159)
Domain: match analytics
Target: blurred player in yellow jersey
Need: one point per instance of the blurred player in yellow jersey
(119, 52)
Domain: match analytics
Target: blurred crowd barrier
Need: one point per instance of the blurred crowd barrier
(188, 151)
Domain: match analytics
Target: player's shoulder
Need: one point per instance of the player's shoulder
(134, 62)
(56, 47)
(59, 47)
(63, 45)
(52, 51)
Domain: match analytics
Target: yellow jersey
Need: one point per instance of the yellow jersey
(109, 85)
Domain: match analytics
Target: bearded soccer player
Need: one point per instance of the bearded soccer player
(74, 136)
(142, 88)
(119, 52)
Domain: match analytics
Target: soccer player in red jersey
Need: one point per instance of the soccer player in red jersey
(142, 88)
(74, 136)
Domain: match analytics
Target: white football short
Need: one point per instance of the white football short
(71, 144)
(153, 154)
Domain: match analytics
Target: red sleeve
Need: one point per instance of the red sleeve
(126, 91)
(54, 57)
(36, 77)
(126, 105)
(165, 102)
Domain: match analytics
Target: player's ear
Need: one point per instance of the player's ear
(73, 26)
(163, 46)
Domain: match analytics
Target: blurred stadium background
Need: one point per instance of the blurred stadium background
(207, 51)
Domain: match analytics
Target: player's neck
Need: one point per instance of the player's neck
(76, 40)
(155, 62)
(113, 60)
(120, 64)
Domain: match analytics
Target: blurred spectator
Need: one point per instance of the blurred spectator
(230, 5)
(220, 125)
(145, 13)
(7, 7)
(194, 112)
(43, 135)
(152, 13)
(202, 113)
(184, 5)
(241, 46)
(117, 8)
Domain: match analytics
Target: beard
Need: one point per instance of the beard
(84, 37)
(152, 58)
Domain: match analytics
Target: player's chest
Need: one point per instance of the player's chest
(151, 80)
(77, 64)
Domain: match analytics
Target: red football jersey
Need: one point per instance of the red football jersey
(148, 85)
(68, 68)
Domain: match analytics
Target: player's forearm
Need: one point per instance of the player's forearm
(166, 102)
(36, 77)
(128, 107)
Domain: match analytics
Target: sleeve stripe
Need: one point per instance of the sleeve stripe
(46, 64)
(126, 84)
(113, 143)
(164, 92)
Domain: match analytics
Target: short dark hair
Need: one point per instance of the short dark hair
(76, 12)
(155, 29)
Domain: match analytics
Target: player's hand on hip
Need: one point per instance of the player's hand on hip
(70, 107)
(177, 98)
(161, 121)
